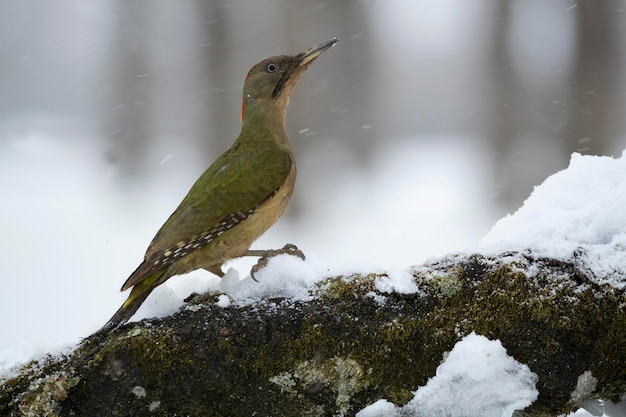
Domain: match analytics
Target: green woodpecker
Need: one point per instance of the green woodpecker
(238, 197)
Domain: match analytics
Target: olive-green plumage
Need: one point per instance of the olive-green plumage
(238, 197)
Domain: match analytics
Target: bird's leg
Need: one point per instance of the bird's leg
(266, 254)
(288, 249)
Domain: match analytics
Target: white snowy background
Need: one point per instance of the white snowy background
(397, 132)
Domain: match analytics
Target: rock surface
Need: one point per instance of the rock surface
(349, 346)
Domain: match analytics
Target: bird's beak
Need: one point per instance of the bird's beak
(299, 63)
(311, 54)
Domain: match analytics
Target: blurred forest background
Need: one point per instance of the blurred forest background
(154, 87)
(426, 123)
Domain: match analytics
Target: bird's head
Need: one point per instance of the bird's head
(272, 80)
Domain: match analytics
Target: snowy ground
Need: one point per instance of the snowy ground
(61, 286)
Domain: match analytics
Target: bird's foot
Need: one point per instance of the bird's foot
(265, 256)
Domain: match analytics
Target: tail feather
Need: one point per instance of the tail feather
(124, 313)
(137, 296)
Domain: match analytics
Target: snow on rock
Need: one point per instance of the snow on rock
(477, 378)
(579, 212)
(285, 276)
(381, 408)
(397, 280)
(223, 301)
(167, 299)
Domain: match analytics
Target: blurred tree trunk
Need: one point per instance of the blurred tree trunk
(505, 106)
(545, 111)
(593, 78)
(127, 107)
(215, 79)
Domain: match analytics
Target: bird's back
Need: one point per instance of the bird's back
(245, 176)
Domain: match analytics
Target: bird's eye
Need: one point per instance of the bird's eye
(272, 67)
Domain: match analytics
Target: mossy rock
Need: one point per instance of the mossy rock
(346, 348)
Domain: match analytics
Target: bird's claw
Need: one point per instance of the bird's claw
(261, 263)
(288, 249)
(291, 249)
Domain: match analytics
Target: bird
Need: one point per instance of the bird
(239, 197)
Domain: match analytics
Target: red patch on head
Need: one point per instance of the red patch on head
(243, 99)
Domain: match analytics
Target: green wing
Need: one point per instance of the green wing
(237, 182)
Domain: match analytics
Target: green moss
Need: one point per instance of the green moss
(346, 286)
(447, 285)
(158, 351)
(556, 304)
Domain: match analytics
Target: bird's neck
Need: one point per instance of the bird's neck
(264, 121)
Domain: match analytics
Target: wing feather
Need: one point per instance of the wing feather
(226, 194)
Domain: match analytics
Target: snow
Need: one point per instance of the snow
(223, 301)
(381, 408)
(477, 378)
(576, 213)
(398, 281)
(284, 276)
(167, 299)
